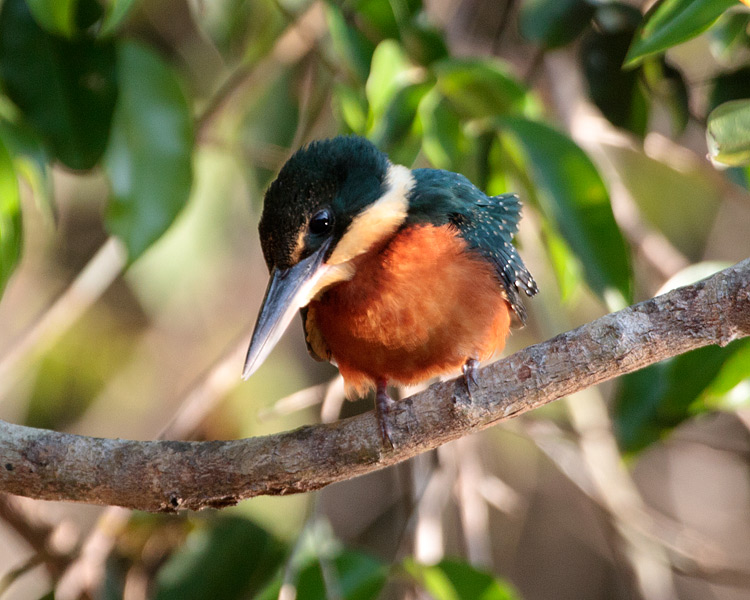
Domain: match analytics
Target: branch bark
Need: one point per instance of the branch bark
(171, 475)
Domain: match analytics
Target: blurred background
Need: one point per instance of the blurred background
(136, 140)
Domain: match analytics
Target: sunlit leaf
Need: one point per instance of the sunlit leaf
(10, 217)
(388, 74)
(671, 22)
(66, 89)
(730, 389)
(564, 263)
(442, 138)
(479, 88)
(149, 156)
(728, 133)
(56, 16)
(571, 193)
(31, 161)
(554, 23)
(227, 558)
(352, 107)
(456, 580)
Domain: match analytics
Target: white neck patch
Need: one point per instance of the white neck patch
(379, 220)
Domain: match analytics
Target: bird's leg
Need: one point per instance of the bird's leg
(471, 376)
(383, 406)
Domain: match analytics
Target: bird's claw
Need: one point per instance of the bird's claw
(383, 407)
(471, 376)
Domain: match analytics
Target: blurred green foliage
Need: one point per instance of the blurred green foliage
(87, 89)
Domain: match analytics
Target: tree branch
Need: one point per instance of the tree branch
(170, 475)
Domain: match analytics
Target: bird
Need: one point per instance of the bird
(399, 274)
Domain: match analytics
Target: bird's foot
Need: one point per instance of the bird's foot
(384, 405)
(471, 376)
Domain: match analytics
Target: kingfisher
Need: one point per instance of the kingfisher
(399, 275)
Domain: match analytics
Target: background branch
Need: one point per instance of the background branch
(169, 475)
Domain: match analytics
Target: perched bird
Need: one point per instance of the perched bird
(400, 275)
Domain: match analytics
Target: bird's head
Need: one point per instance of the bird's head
(331, 202)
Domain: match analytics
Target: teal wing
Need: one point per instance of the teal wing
(491, 231)
(487, 223)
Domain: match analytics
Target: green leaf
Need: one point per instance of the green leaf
(242, 31)
(394, 91)
(729, 35)
(734, 85)
(388, 74)
(148, 159)
(10, 217)
(456, 580)
(228, 558)
(116, 14)
(397, 120)
(730, 389)
(31, 161)
(672, 89)
(616, 92)
(423, 43)
(554, 23)
(566, 266)
(672, 22)
(728, 133)
(66, 89)
(443, 140)
(478, 88)
(377, 17)
(571, 193)
(680, 203)
(349, 575)
(651, 402)
(271, 122)
(352, 47)
(356, 575)
(56, 16)
(351, 106)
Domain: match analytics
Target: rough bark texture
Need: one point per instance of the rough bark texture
(168, 475)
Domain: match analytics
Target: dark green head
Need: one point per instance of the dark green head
(332, 201)
(316, 196)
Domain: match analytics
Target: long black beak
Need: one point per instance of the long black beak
(288, 291)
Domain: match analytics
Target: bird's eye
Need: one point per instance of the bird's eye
(321, 222)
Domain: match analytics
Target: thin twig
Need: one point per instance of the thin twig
(88, 286)
(10, 577)
(36, 533)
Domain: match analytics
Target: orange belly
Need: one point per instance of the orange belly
(417, 308)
